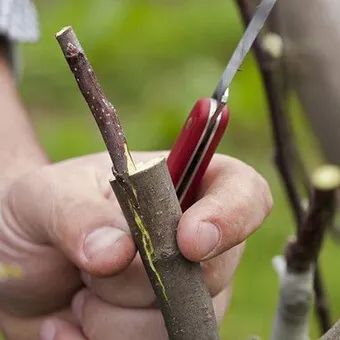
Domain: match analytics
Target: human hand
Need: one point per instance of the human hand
(62, 225)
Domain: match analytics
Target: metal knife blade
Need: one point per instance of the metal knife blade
(243, 47)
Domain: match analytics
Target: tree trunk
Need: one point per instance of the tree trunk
(311, 34)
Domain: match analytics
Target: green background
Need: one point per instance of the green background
(155, 59)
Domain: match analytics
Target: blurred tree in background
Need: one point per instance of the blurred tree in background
(155, 59)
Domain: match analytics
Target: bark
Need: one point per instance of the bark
(305, 250)
(311, 36)
(287, 159)
(153, 214)
(103, 111)
(297, 269)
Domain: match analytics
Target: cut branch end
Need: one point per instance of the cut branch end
(272, 43)
(102, 110)
(326, 177)
(63, 30)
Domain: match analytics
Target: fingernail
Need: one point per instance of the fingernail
(208, 236)
(99, 240)
(47, 331)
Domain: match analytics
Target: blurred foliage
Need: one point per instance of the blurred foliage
(154, 59)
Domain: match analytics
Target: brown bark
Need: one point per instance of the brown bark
(153, 214)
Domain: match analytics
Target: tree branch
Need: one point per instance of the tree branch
(149, 203)
(295, 299)
(102, 110)
(269, 67)
(153, 216)
(305, 250)
(296, 293)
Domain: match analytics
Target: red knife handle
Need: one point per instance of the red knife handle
(194, 148)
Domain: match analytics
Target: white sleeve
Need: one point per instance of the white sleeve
(18, 20)
(18, 23)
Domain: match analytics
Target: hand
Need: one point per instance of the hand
(81, 277)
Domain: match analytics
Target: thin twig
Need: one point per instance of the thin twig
(304, 251)
(282, 142)
(294, 303)
(102, 110)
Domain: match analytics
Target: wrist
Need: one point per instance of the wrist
(19, 149)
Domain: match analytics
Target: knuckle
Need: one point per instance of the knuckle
(216, 275)
(253, 205)
(27, 204)
(215, 205)
(259, 190)
(39, 188)
(243, 210)
(266, 195)
(231, 216)
(219, 271)
(26, 190)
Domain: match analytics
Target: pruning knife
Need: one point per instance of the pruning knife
(203, 130)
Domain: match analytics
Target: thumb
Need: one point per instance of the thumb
(70, 206)
(235, 200)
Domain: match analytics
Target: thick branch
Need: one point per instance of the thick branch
(311, 35)
(153, 216)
